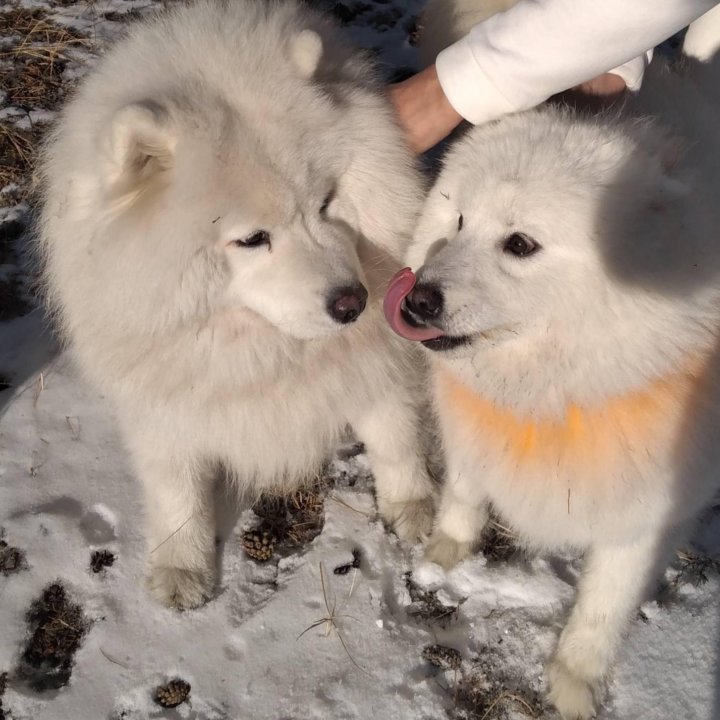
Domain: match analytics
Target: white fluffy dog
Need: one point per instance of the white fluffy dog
(568, 286)
(221, 195)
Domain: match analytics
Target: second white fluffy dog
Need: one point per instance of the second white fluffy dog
(568, 285)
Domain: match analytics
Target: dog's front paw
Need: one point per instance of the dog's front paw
(412, 520)
(573, 696)
(179, 587)
(446, 551)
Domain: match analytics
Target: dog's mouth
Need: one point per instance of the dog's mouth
(406, 324)
(399, 317)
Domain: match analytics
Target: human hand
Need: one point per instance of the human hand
(597, 94)
(422, 110)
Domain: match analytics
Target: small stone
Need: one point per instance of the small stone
(173, 694)
(442, 657)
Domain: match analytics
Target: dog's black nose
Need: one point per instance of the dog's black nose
(345, 304)
(425, 301)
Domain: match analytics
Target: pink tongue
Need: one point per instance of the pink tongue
(399, 288)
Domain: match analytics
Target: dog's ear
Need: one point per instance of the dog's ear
(139, 143)
(306, 49)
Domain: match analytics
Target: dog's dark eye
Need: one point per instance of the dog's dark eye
(326, 202)
(256, 239)
(460, 222)
(520, 245)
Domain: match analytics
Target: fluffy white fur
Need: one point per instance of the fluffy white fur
(623, 294)
(201, 127)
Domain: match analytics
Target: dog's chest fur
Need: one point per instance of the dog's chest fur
(563, 480)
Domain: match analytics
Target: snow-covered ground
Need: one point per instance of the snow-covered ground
(290, 638)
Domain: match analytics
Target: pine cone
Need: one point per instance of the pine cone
(172, 694)
(259, 545)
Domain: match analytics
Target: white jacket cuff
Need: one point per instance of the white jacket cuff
(468, 89)
(632, 72)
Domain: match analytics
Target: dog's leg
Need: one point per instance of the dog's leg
(404, 489)
(612, 586)
(460, 520)
(180, 530)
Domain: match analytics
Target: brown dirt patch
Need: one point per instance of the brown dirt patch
(30, 33)
(101, 559)
(57, 627)
(3, 686)
(18, 149)
(33, 84)
(12, 559)
(424, 605)
(482, 689)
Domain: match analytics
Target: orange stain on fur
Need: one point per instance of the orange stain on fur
(585, 436)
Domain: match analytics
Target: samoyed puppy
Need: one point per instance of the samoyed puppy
(224, 199)
(567, 288)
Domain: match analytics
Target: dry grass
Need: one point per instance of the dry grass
(34, 54)
(57, 627)
(330, 621)
(3, 686)
(478, 701)
(498, 542)
(691, 568)
(485, 691)
(30, 34)
(33, 84)
(17, 153)
(695, 568)
(12, 559)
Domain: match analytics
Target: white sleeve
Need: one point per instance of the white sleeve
(517, 59)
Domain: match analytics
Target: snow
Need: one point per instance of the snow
(66, 488)
(268, 646)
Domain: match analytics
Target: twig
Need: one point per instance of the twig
(69, 627)
(503, 529)
(508, 696)
(74, 429)
(40, 386)
(112, 660)
(348, 506)
(172, 534)
(331, 618)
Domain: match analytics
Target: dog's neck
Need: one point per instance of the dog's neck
(546, 369)
(588, 432)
